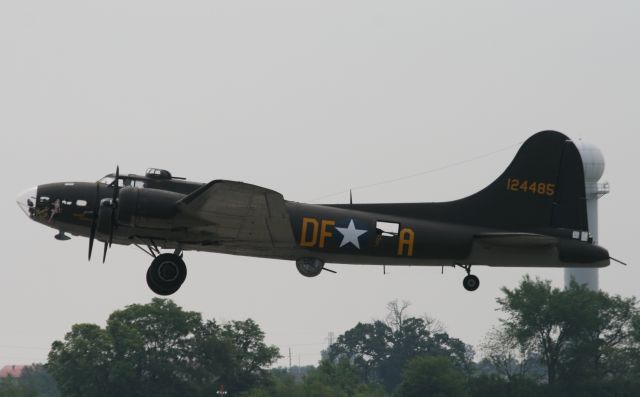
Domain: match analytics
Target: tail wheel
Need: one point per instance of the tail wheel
(166, 274)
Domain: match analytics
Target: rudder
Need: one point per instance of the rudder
(542, 187)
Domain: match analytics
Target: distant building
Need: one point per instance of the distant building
(15, 371)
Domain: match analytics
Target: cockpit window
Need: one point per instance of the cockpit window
(133, 182)
(122, 182)
(107, 180)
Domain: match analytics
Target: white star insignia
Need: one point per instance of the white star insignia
(350, 234)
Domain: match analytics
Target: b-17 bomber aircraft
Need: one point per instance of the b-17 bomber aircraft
(533, 215)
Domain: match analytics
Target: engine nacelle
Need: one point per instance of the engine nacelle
(105, 213)
(147, 208)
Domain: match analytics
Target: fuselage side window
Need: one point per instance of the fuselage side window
(387, 229)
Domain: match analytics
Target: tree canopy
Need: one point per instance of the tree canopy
(381, 349)
(158, 349)
(432, 376)
(550, 341)
(579, 335)
(34, 381)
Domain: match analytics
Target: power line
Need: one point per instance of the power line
(429, 171)
(24, 347)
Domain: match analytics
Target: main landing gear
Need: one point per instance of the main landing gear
(470, 282)
(166, 273)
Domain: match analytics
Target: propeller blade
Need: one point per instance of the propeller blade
(104, 253)
(91, 238)
(111, 230)
(94, 222)
(116, 184)
(114, 204)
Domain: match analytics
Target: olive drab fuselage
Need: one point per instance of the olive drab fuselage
(534, 214)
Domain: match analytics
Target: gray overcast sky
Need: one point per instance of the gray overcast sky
(307, 98)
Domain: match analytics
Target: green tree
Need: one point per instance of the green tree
(494, 385)
(329, 379)
(81, 364)
(36, 378)
(152, 349)
(338, 379)
(247, 353)
(577, 333)
(366, 345)
(281, 383)
(380, 350)
(158, 349)
(11, 387)
(427, 376)
(505, 357)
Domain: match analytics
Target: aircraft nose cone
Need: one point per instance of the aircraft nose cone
(27, 201)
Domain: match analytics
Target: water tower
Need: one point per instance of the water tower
(593, 164)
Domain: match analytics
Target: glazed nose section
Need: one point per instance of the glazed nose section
(27, 201)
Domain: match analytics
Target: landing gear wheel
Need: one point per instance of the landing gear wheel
(166, 274)
(471, 282)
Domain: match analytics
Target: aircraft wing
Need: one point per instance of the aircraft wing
(239, 212)
(515, 240)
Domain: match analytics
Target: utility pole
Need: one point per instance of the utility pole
(289, 359)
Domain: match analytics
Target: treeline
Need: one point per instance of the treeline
(34, 382)
(550, 342)
(553, 342)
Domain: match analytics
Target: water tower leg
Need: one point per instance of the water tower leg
(588, 276)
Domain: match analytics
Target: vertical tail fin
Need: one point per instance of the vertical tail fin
(542, 187)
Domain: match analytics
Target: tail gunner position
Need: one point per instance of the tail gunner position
(533, 215)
